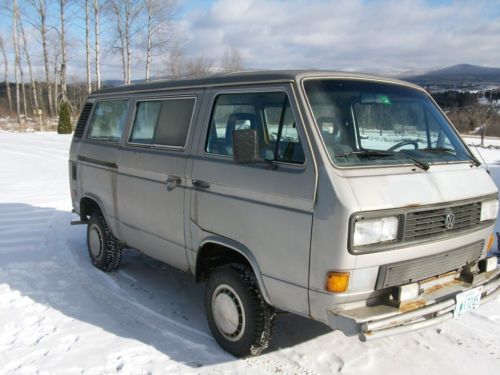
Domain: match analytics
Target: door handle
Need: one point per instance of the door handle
(200, 184)
(172, 182)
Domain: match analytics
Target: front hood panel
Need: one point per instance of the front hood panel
(437, 185)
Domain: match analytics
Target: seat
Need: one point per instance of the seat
(333, 139)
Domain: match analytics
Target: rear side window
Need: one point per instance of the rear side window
(163, 122)
(268, 113)
(108, 120)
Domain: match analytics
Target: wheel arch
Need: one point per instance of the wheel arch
(213, 248)
(88, 205)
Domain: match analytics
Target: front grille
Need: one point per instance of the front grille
(421, 225)
(414, 270)
(82, 121)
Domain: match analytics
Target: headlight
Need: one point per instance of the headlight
(371, 231)
(489, 210)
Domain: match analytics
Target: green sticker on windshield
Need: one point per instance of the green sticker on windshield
(384, 99)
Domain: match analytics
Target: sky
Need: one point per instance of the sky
(385, 36)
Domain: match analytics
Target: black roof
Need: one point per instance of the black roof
(248, 77)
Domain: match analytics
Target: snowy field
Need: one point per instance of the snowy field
(60, 315)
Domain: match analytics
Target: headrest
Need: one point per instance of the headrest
(239, 120)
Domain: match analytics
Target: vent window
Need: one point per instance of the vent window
(82, 121)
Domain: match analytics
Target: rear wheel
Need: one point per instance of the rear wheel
(239, 318)
(104, 250)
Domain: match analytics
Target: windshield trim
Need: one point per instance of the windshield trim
(387, 82)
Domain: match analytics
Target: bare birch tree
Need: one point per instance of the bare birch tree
(87, 47)
(126, 13)
(6, 75)
(127, 26)
(55, 48)
(30, 69)
(97, 37)
(17, 61)
(116, 11)
(40, 7)
(23, 85)
(55, 82)
(149, 43)
(62, 7)
(159, 14)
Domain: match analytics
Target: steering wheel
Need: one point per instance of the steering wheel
(404, 143)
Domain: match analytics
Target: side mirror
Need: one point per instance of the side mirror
(245, 146)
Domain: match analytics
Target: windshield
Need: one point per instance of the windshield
(371, 123)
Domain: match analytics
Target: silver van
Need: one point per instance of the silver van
(346, 198)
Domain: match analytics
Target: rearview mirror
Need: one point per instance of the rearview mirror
(369, 98)
(245, 146)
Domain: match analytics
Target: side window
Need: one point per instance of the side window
(146, 117)
(282, 130)
(163, 122)
(269, 114)
(174, 121)
(108, 120)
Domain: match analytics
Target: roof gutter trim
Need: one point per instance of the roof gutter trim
(187, 87)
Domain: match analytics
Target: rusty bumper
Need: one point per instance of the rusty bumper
(372, 322)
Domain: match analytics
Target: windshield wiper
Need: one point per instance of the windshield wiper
(475, 162)
(366, 153)
(439, 150)
(380, 153)
(420, 163)
(417, 162)
(450, 151)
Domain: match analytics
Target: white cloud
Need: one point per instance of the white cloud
(364, 35)
(347, 34)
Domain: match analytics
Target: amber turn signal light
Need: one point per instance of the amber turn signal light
(491, 241)
(337, 282)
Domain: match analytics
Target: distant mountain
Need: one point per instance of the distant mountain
(111, 83)
(462, 74)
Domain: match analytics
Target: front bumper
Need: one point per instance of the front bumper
(434, 306)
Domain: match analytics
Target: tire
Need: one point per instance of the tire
(239, 318)
(104, 250)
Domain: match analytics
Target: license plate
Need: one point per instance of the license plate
(467, 301)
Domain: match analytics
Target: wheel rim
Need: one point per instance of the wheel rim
(95, 241)
(228, 312)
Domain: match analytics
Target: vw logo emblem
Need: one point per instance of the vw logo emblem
(449, 221)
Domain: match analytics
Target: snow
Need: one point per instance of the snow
(58, 314)
(489, 155)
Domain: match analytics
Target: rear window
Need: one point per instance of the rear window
(108, 120)
(163, 122)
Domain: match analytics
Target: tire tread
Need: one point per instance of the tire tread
(264, 313)
(112, 249)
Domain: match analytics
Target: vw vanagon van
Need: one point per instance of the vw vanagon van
(349, 199)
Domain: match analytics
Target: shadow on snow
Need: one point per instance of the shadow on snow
(46, 259)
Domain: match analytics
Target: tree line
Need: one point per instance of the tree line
(42, 42)
(472, 112)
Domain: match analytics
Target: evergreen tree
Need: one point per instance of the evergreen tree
(64, 125)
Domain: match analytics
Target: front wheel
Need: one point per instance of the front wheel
(104, 250)
(239, 318)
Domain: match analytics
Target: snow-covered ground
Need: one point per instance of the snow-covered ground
(58, 314)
